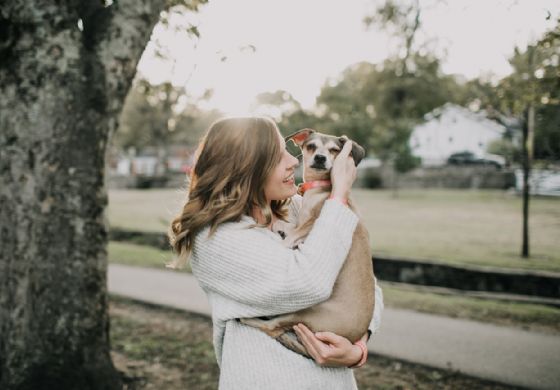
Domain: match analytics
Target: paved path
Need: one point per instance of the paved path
(498, 353)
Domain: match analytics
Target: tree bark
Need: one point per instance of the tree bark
(62, 88)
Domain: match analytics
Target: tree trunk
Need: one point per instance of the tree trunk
(64, 73)
(528, 125)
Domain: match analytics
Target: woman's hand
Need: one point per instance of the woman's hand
(329, 349)
(343, 172)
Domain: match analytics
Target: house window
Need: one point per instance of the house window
(450, 139)
(480, 144)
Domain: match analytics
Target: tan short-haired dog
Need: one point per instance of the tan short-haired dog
(353, 297)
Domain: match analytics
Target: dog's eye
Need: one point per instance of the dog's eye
(334, 150)
(311, 148)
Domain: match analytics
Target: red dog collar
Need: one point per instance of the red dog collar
(313, 184)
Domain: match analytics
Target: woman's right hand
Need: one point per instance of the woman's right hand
(343, 172)
(329, 349)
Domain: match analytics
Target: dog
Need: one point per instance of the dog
(353, 297)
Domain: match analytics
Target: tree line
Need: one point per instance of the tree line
(378, 105)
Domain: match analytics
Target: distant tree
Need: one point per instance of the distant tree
(65, 70)
(402, 20)
(505, 148)
(535, 79)
(292, 121)
(412, 79)
(147, 117)
(191, 124)
(275, 104)
(379, 106)
(531, 94)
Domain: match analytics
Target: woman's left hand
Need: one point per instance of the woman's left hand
(329, 349)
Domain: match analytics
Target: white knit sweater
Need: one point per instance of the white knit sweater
(248, 272)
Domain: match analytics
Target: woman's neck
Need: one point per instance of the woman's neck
(259, 217)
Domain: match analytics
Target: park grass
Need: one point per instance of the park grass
(477, 227)
(522, 315)
(528, 316)
(159, 348)
(473, 227)
(137, 255)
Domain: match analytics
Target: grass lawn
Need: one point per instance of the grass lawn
(521, 315)
(167, 349)
(462, 227)
(526, 316)
(480, 227)
(140, 255)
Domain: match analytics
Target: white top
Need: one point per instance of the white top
(248, 272)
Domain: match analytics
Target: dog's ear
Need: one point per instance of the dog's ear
(357, 153)
(300, 136)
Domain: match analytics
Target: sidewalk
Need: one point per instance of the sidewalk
(487, 351)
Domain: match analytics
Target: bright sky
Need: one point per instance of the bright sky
(302, 43)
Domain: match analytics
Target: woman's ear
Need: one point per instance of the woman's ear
(358, 153)
(300, 136)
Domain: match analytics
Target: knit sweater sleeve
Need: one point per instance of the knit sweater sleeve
(375, 323)
(252, 268)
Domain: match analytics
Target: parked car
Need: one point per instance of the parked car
(469, 158)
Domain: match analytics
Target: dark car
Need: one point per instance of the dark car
(469, 158)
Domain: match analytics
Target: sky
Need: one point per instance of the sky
(301, 44)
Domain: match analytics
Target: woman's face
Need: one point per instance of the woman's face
(280, 184)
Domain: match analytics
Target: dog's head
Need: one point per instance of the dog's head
(319, 151)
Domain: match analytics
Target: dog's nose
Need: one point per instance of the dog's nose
(320, 159)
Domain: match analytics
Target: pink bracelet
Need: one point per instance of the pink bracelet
(341, 200)
(364, 349)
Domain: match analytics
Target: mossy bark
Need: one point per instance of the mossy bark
(65, 69)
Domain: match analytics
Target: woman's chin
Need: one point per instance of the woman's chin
(287, 194)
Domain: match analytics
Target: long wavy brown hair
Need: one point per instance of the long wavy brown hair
(232, 163)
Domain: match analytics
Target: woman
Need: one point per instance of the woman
(241, 184)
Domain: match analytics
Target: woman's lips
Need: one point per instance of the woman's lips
(289, 179)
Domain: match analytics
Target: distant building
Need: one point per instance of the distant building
(450, 129)
(150, 162)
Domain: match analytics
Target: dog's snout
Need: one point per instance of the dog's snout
(320, 159)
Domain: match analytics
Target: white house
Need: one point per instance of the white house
(452, 128)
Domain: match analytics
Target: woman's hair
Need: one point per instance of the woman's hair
(232, 164)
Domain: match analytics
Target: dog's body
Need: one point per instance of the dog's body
(349, 310)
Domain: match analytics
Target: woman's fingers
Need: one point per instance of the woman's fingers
(329, 337)
(343, 172)
(304, 340)
(320, 350)
(310, 342)
(346, 149)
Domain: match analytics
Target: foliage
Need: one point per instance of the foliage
(535, 79)
(145, 115)
(379, 105)
(158, 115)
(276, 104)
(506, 148)
(402, 19)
